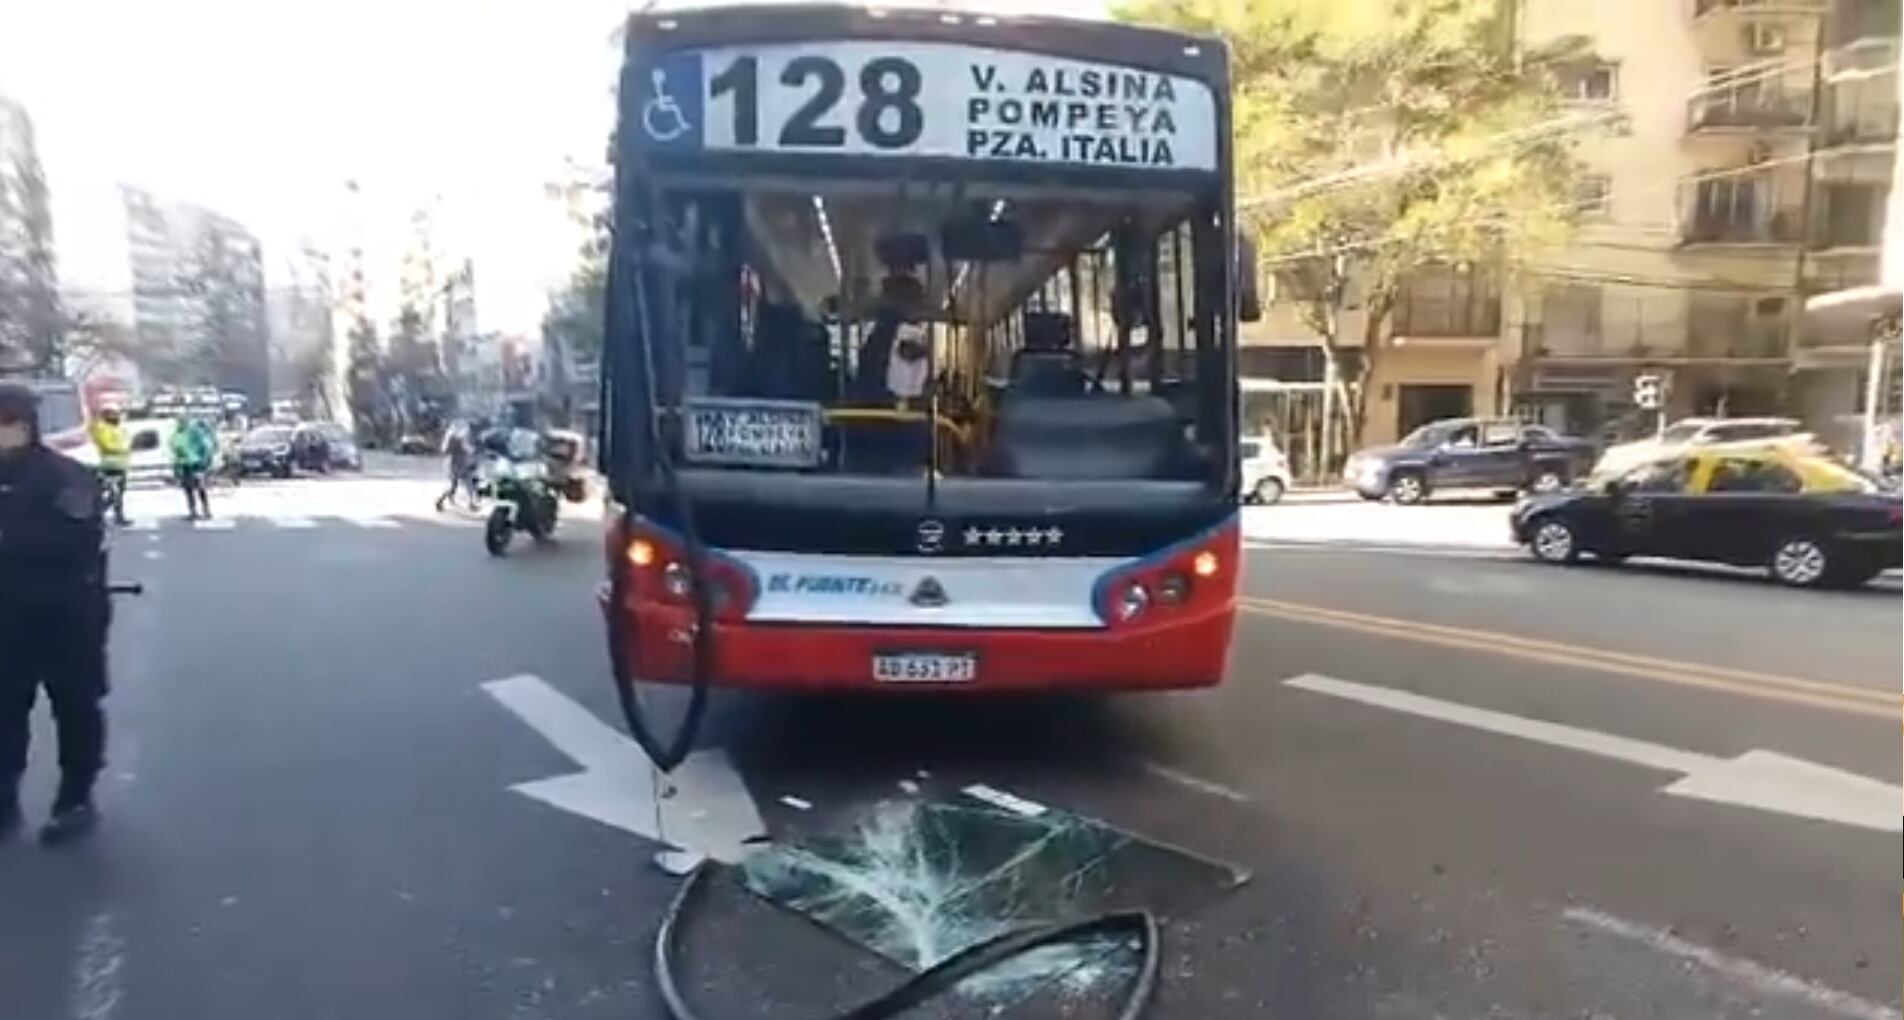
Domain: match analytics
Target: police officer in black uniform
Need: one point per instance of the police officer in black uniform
(53, 615)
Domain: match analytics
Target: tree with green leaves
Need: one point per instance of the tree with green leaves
(1375, 139)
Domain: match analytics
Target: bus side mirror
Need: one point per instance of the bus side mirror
(1249, 301)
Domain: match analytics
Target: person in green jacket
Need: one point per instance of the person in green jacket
(193, 447)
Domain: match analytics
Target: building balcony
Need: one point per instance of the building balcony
(1853, 56)
(1418, 318)
(1704, 229)
(1758, 8)
(1748, 111)
(1631, 342)
(1877, 130)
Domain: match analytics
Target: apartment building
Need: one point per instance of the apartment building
(1688, 264)
(1845, 359)
(1751, 170)
(1755, 173)
(197, 295)
(29, 285)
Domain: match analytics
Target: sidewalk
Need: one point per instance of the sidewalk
(1341, 518)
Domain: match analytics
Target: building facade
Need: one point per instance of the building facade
(1844, 361)
(1750, 171)
(198, 296)
(1688, 265)
(30, 321)
(299, 308)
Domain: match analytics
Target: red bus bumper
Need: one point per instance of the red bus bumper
(1184, 650)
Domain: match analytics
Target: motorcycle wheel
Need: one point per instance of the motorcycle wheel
(545, 522)
(497, 531)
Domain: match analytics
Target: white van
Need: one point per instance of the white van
(1265, 470)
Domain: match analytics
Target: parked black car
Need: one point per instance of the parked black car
(1469, 453)
(269, 450)
(1806, 520)
(325, 446)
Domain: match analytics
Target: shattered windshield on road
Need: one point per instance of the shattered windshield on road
(920, 881)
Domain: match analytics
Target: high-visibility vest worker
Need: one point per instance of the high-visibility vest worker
(109, 438)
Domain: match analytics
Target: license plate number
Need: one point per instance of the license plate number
(925, 668)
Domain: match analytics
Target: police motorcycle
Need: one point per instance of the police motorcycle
(515, 477)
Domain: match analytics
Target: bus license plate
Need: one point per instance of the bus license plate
(925, 668)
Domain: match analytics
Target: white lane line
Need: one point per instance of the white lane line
(292, 523)
(1197, 783)
(98, 969)
(374, 523)
(1607, 746)
(702, 807)
(1763, 979)
(213, 524)
(1761, 779)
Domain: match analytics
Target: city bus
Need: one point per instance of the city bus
(920, 362)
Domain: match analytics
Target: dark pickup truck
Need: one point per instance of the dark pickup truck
(1469, 453)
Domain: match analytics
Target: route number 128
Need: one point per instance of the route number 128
(885, 114)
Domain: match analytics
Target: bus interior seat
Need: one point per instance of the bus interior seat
(1048, 331)
(1055, 373)
(874, 447)
(1089, 437)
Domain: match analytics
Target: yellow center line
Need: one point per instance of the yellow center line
(1839, 697)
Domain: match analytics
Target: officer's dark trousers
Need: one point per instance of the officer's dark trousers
(62, 650)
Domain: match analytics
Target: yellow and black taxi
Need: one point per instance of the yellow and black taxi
(1808, 520)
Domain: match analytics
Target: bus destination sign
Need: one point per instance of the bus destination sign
(923, 99)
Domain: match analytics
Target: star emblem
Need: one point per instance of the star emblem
(994, 536)
(1014, 537)
(1054, 534)
(1033, 536)
(973, 536)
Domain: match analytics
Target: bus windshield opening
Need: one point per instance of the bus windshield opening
(953, 329)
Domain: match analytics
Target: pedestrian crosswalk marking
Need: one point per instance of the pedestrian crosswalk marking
(303, 505)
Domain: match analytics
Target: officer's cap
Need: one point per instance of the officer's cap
(18, 403)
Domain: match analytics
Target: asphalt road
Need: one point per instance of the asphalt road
(310, 813)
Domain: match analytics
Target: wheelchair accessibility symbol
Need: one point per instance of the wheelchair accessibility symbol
(661, 116)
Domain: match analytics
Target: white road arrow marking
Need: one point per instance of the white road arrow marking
(709, 812)
(1764, 780)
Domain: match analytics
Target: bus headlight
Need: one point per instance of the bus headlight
(1134, 599)
(1173, 589)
